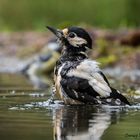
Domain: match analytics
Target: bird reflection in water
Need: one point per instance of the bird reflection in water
(82, 122)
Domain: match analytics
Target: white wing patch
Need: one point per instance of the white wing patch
(89, 70)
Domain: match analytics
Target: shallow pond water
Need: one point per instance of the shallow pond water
(25, 114)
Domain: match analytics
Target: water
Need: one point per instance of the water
(26, 115)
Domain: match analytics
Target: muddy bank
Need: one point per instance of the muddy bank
(19, 48)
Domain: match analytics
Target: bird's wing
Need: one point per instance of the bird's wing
(88, 70)
(78, 89)
(44, 58)
(87, 83)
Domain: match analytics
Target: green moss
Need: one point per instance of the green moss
(107, 60)
(102, 46)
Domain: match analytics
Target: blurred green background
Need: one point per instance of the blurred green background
(35, 14)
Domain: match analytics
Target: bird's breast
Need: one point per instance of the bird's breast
(60, 74)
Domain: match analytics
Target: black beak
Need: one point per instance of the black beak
(57, 32)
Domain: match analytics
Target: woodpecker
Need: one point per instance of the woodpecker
(78, 79)
(42, 64)
(45, 61)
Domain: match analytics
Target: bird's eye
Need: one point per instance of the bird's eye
(72, 35)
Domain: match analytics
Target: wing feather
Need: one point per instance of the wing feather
(89, 70)
(79, 89)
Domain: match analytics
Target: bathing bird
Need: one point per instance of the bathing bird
(42, 64)
(78, 79)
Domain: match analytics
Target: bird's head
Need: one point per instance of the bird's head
(74, 38)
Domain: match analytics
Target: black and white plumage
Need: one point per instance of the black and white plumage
(77, 78)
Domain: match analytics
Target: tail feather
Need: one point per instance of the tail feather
(116, 95)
